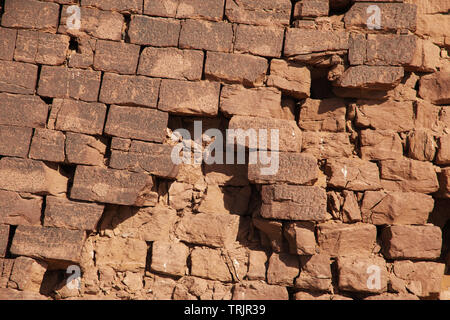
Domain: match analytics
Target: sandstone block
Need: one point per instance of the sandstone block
(128, 254)
(48, 145)
(226, 174)
(371, 77)
(301, 238)
(84, 149)
(232, 200)
(20, 208)
(27, 274)
(323, 115)
(18, 77)
(311, 8)
(8, 43)
(4, 237)
(435, 87)
(444, 183)
(258, 290)
(380, 145)
(272, 230)
(118, 57)
(84, 57)
(126, 6)
(169, 258)
(15, 141)
(264, 12)
(198, 9)
(315, 273)
(205, 35)
(326, 145)
(161, 32)
(443, 155)
(259, 40)
(110, 186)
(283, 269)
(291, 78)
(257, 265)
(164, 8)
(136, 123)
(31, 14)
(304, 41)
(422, 145)
(390, 50)
(208, 263)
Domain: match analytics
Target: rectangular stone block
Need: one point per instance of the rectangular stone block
(259, 40)
(412, 242)
(124, 6)
(370, 77)
(171, 63)
(20, 208)
(291, 78)
(84, 149)
(264, 12)
(95, 23)
(110, 186)
(289, 202)
(200, 98)
(357, 49)
(151, 158)
(210, 264)
(118, 57)
(27, 274)
(257, 290)
(200, 9)
(129, 90)
(48, 145)
(303, 41)
(136, 123)
(8, 43)
(64, 213)
(222, 67)
(294, 168)
(31, 14)
(161, 8)
(390, 50)
(283, 269)
(18, 77)
(48, 243)
(323, 115)
(4, 237)
(435, 88)
(129, 255)
(84, 57)
(315, 273)
(326, 145)
(380, 145)
(169, 257)
(444, 183)
(215, 230)
(311, 8)
(339, 239)
(15, 141)
(62, 82)
(159, 32)
(422, 145)
(41, 47)
(205, 35)
(23, 111)
(24, 175)
(78, 116)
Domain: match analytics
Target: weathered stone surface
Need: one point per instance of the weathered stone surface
(4, 236)
(257, 265)
(315, 273)
(259, 40)
(41, 47)
(215, 230)
(24, 175)
(371, 77)
(350, 208)
(390, 50)
(145, 157)
(128, 254)
(443, 155)
(265, 12)
(64, 213)
(433, 26)
(426, 56)
(198, 9)
(357, 49)
(27, 274)
(164, 8)
(47, 145)
(255, 102)
(118, 57)
(422, 145)
(20, 208)
(160, 32)
(77, 116)
(323, 115)
(353, 174)
(84, 56)
(408, 175)
(272, 230)
(380, 145)
(205, 35)
(394, 16)
(289, 202)
(11, 294)
(301, 238)
(110, 186)
(126, 6)
(199, 98)
(222, 67)
(283, 269)
(412, 242)
(169, 258)
(84, 149)
(355, 274)
(325, 145)
(444, 183)
(8, 43)
(96, 23)
(61, 82)
(136, 123)
(421, 278)
(338, 239)
(304, 41)
(180, 195)
(31, 14)
(129, 90)
(381, 208)
(226, 174)
(435, 87)
(48, 243)
(388, 115)
(208, 263)
(285, 132)
(171, 63)
(226, 200)
(294, 168)
(15, 141)
(311, 8)
(291, 78)
(258, 290)
(18, 77)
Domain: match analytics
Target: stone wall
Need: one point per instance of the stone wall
(359, 92)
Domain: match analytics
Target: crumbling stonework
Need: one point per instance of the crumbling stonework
(357, 208)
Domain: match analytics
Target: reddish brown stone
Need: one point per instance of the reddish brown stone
(48, 243)
(301, 238)
(257, 265)
(435, 87)
(205, 35)
(31, 14)
(136, 123)
(422, 145)
(323, 115)
(371, 77)
(273, 230)
(126, 6)
(264, 12)
(169, 257)
(160, 32)
(20, 208)
(444, 183)
(8, 43)
(11, 294)
(129, 90)
(380, 145)
(128, 254)
(315, 274)
(110, 186)
(291, 78)
(208, 263)
(161, 8)
(18, 77)
(283, 269)
(84, 56)
(311, 8)
(4, 237)
(23, 111)
(15, 141)
(326, 145)
(222, 67)
(84, 149)
(63, 213)
(61, 82)
(47, 145)
(259, 40)
(27, 274)
(256, 290)
(390, 50)
(116, 57)
(303, 41)
(199, 9)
